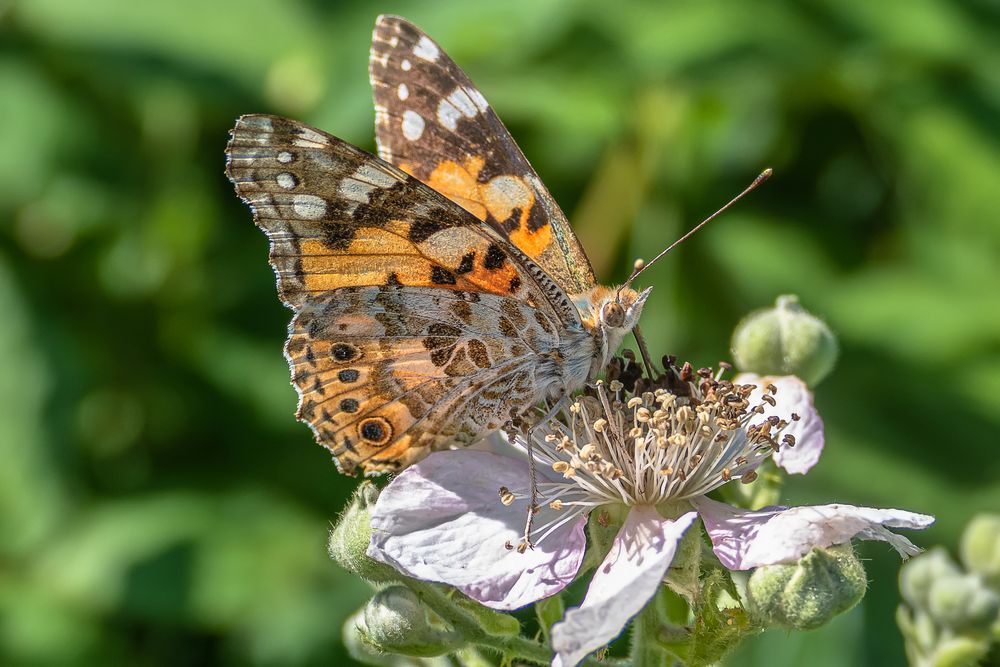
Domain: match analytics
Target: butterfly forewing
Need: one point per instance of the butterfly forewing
(417, 327)
(432, 122)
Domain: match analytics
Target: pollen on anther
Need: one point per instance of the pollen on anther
(556, 504)
(600, 425)
(507, 498)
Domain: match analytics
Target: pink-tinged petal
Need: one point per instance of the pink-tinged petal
(744, 539)
(626, 580)
(793, 396)
(442, 520)
(498, 443)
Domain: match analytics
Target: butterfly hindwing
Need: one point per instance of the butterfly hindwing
(388, 374)
(417, 326)
(433, 123)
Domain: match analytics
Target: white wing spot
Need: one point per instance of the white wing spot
(377, 177)
(448, 115)
(403, 91)
(310, 138)
(426, 49)
(355, 190)
(284, 157)
(309, 207)
(413, 125)
(285, 180)
(463, 102)
(478, 99)
(405, 65)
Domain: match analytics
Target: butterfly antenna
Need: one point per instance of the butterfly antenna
(640, 267)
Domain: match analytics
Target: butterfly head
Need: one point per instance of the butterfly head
(614, 311)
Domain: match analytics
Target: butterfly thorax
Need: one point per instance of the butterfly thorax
(609, 314)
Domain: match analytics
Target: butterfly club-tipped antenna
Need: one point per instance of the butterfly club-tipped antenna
(641, 266)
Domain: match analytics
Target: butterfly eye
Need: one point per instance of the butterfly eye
(612, 314)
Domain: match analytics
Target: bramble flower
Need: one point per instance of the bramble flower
(652, 457)
(792, 395)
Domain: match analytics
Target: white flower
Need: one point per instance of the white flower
(441, 520)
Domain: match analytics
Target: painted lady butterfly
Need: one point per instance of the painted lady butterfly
(438, 292)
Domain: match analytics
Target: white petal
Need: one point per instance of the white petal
(442, 520)
(624, 583)
(498, 443)
(744, 539)
(793, 396)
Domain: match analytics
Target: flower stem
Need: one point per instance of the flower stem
(471, 622)
(665, 614)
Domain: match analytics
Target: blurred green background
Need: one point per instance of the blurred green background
(158, 502)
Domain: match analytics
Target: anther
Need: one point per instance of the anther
(506, 497)
(749, 477)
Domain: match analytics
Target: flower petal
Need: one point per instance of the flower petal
(624, 583)
(793, 396)
(442, 520)
(744, 539)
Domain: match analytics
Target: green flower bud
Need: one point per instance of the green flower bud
(963, 603)
(354, 635)
(785, 340)
(981, 547)
(807, 594)
(919, 574)
(348, 544)
(959, 652)
(396, 621)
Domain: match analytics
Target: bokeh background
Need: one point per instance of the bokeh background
(158, 502)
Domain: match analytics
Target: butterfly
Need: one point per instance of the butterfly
(438, 291)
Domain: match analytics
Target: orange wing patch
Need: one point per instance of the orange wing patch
(507, 202)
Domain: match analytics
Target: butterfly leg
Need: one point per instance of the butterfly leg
(526, 542)
(533, 498)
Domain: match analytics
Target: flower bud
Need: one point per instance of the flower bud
(348, 544)
(354, 634)
(981, 547)
(963, 603)
(959, 652)
(809, 593)
(395, 621)
(785, 340)
(919, 574)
